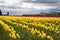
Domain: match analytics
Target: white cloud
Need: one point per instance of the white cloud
(11, 2)
(26, 5)
(33, 0)
(0, 0)
(36, 6)
(43, 7)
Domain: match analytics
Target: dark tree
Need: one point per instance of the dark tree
(0, 12)
(59, 13)
(7, 13)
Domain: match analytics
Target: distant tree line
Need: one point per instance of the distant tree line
(23, 15)
(1, 13)
(7, 13)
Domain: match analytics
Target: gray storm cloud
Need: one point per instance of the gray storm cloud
(30, 6)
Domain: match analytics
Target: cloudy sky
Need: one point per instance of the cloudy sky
(16, 7)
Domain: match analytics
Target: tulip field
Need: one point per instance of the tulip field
(29, 28)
